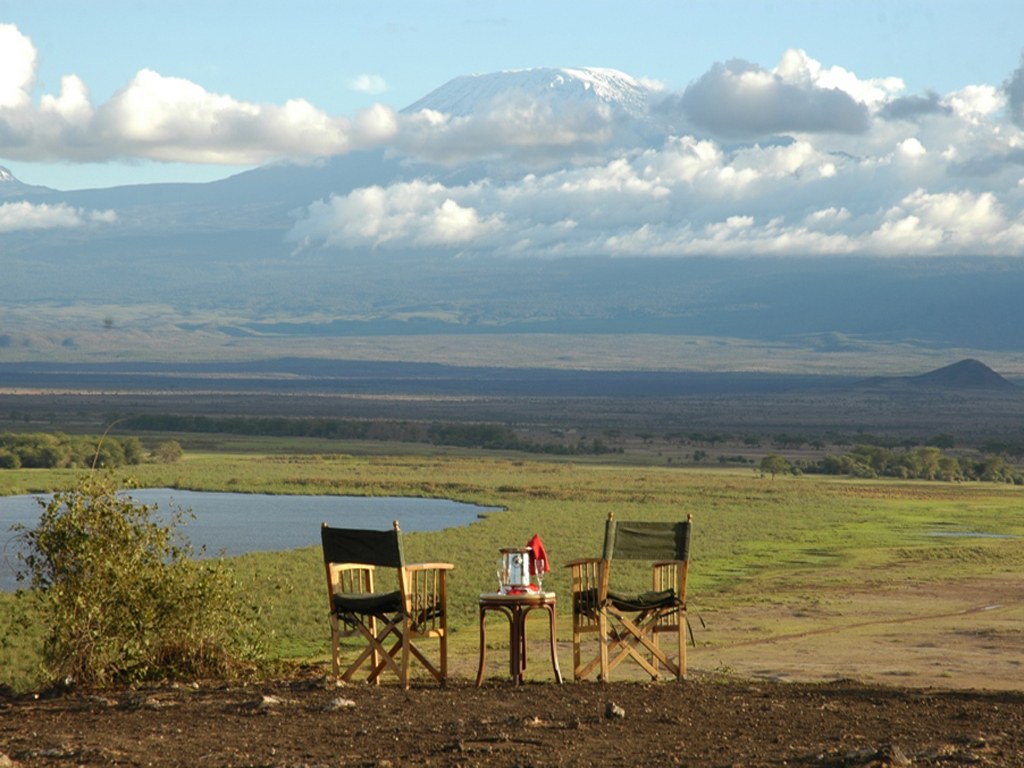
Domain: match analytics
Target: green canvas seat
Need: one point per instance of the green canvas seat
(386, 602)
(644, 601)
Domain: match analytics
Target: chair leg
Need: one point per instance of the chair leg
(406, 661)
(657, 644)
(375, 660)
(576, 639)
(602, 621)
(375, 651)
(335, 646)
(444, 656)
(681, 633)
(637, 638)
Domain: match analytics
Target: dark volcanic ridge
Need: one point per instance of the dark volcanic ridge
(967, 374)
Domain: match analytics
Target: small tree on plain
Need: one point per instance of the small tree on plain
(169, 452)
(774, 464)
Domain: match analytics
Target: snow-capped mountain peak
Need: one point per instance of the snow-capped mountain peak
(475, 94)
(6, 176)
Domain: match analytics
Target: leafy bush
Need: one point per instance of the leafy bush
(123, 597)
(169, 452)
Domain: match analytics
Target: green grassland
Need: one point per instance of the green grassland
(789, 538)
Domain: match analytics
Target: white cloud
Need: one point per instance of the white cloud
(740, 99)
(826, 216)
(168, 118)
(803, 158)
(27, 216)
(912, 149)
(797, 68)
(72, 105)
(949, 223)
(515, 127)
(1014, 88)
(372, 84)
(696, 196)
(976, 102)
(163, 118)
(400, 216)
(17, 67)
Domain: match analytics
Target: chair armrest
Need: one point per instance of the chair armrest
(430, 567)
(583, 561)
(589, 585)
(589, 579)
(425, 593)
(350, 577)
(670, 574)
(352, 567)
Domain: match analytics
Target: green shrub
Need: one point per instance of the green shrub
(123, 597)
(169, 452)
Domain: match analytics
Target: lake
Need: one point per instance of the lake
(236, 523)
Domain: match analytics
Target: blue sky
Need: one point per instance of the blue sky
(816, 127)
(343, 57)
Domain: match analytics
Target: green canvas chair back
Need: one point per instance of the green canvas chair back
(356, 545)
(645, 540)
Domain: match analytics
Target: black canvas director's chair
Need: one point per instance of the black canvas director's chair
(628, 626)
(415, 611)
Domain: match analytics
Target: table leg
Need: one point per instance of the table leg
(554, 647)
(516, 662)
(510, 613)
(517, 645)
(483, 647)
(522, 644)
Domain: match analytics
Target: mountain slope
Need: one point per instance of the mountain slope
(966, 374)
(476, 94)
(218, 256)
(10, 187)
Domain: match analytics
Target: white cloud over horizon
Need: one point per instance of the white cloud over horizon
(162, 118)
(803, 158)
(21, 215)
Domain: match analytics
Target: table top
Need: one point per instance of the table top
(517, 597)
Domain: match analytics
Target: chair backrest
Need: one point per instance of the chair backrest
(645, 540)
(358, 545)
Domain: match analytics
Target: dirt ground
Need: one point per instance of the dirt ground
(909, 676)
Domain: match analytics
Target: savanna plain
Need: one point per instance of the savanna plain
(835, 621)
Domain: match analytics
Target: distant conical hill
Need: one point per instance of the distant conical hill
(966, 374)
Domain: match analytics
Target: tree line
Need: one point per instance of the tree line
(56, 450)
(922, 463)
(45, 450)
(487, 436)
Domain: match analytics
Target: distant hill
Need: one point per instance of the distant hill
(11, 187)
(967, 374)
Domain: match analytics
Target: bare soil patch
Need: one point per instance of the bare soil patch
(308, 723)
(963, 635)
(925, 675)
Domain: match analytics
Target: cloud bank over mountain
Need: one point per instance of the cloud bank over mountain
(801, 159)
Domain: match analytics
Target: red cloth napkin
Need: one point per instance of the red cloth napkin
(537, 554)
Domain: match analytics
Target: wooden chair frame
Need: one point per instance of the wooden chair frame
(623, 632)
(417, 612)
